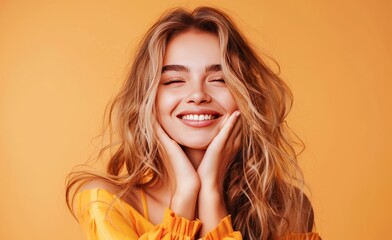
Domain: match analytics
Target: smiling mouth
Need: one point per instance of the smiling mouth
(199, 117)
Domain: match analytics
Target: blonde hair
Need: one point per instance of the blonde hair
(264, 188)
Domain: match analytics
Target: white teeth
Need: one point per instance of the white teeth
(194, 117)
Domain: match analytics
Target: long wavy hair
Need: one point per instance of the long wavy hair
(263, 185)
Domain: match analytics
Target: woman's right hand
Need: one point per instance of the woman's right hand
(186, 183)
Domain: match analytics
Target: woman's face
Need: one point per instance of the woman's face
(193, 100)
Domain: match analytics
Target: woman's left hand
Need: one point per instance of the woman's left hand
(220, 153)
(212, 170)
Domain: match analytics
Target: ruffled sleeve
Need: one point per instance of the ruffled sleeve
(174, 228)
(224, 231)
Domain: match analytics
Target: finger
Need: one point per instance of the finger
(235, 133)
(175, 158)
(224, 133)
(164, 138)
(170, 147)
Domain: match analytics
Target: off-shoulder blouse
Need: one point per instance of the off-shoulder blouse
(104, 216)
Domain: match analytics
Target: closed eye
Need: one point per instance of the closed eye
(173, 81)
(218, 80)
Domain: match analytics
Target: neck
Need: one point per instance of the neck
(195, 156)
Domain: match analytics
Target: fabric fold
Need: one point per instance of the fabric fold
(224, 230)
(180, 226)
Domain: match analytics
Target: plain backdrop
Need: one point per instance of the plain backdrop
(61, 62)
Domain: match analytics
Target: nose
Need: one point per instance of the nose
(198, 95)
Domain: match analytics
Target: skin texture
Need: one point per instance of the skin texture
(198, 153)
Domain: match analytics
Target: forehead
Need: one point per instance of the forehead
(192, 48)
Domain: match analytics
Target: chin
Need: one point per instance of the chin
(202, 145)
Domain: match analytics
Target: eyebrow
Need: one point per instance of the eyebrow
(177, 68)
(214, 68)
(182, 68)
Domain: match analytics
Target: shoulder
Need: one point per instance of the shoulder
(99, 184)
(99, 187)
(101, 192)
(103, 214)
(94, 192)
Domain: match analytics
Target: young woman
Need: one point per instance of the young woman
(199, 141)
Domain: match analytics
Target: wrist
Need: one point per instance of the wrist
(211, 180)
(184, 204)
(211, 194)
(211, 186)
(211, 208)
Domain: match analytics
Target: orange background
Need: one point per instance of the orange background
(61, 62)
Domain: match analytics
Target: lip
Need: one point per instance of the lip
(199, 124)
(198, 112)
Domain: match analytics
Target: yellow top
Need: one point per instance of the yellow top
(107, 217)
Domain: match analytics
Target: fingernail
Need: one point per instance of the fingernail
(238, 113)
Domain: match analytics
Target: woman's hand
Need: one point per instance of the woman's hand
(187, 183)
(220, 153)
(211, 171)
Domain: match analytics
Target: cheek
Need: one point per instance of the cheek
(165, 103)
(228, 102)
